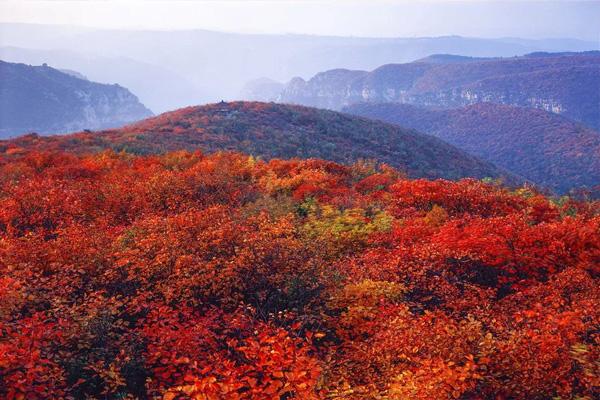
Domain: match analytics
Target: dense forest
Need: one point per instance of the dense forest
(222, 276)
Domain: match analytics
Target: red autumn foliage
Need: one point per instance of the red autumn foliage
(186, 276)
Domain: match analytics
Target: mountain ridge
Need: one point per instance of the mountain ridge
(271, 130)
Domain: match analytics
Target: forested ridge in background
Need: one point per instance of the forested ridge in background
(269, 130)
(190, 276)
(45, 100)
(545, 148)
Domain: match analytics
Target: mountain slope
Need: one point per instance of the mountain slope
(46, 100)
(273, 130)
(565, 83)
(543, 147)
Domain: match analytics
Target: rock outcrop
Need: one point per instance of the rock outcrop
(45, 100)
(566, 84)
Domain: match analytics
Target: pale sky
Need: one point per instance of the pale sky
(386, 18)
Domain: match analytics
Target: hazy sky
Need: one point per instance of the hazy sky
(407, 18)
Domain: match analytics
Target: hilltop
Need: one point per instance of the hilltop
(269, 130)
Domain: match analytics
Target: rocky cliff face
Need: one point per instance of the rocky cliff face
(45, 100)
(567, 84)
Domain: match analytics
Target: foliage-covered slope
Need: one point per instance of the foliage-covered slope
(45, 100)
(185, 276)
(547, 149)
(564, 83)
(274, 130)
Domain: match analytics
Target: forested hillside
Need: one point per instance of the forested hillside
(275, 130)
(545, 148)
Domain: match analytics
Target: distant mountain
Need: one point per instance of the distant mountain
(202, 66)
(270, 130)
(45, 100)
(545, 148)
(566, 83)
(157, 87)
